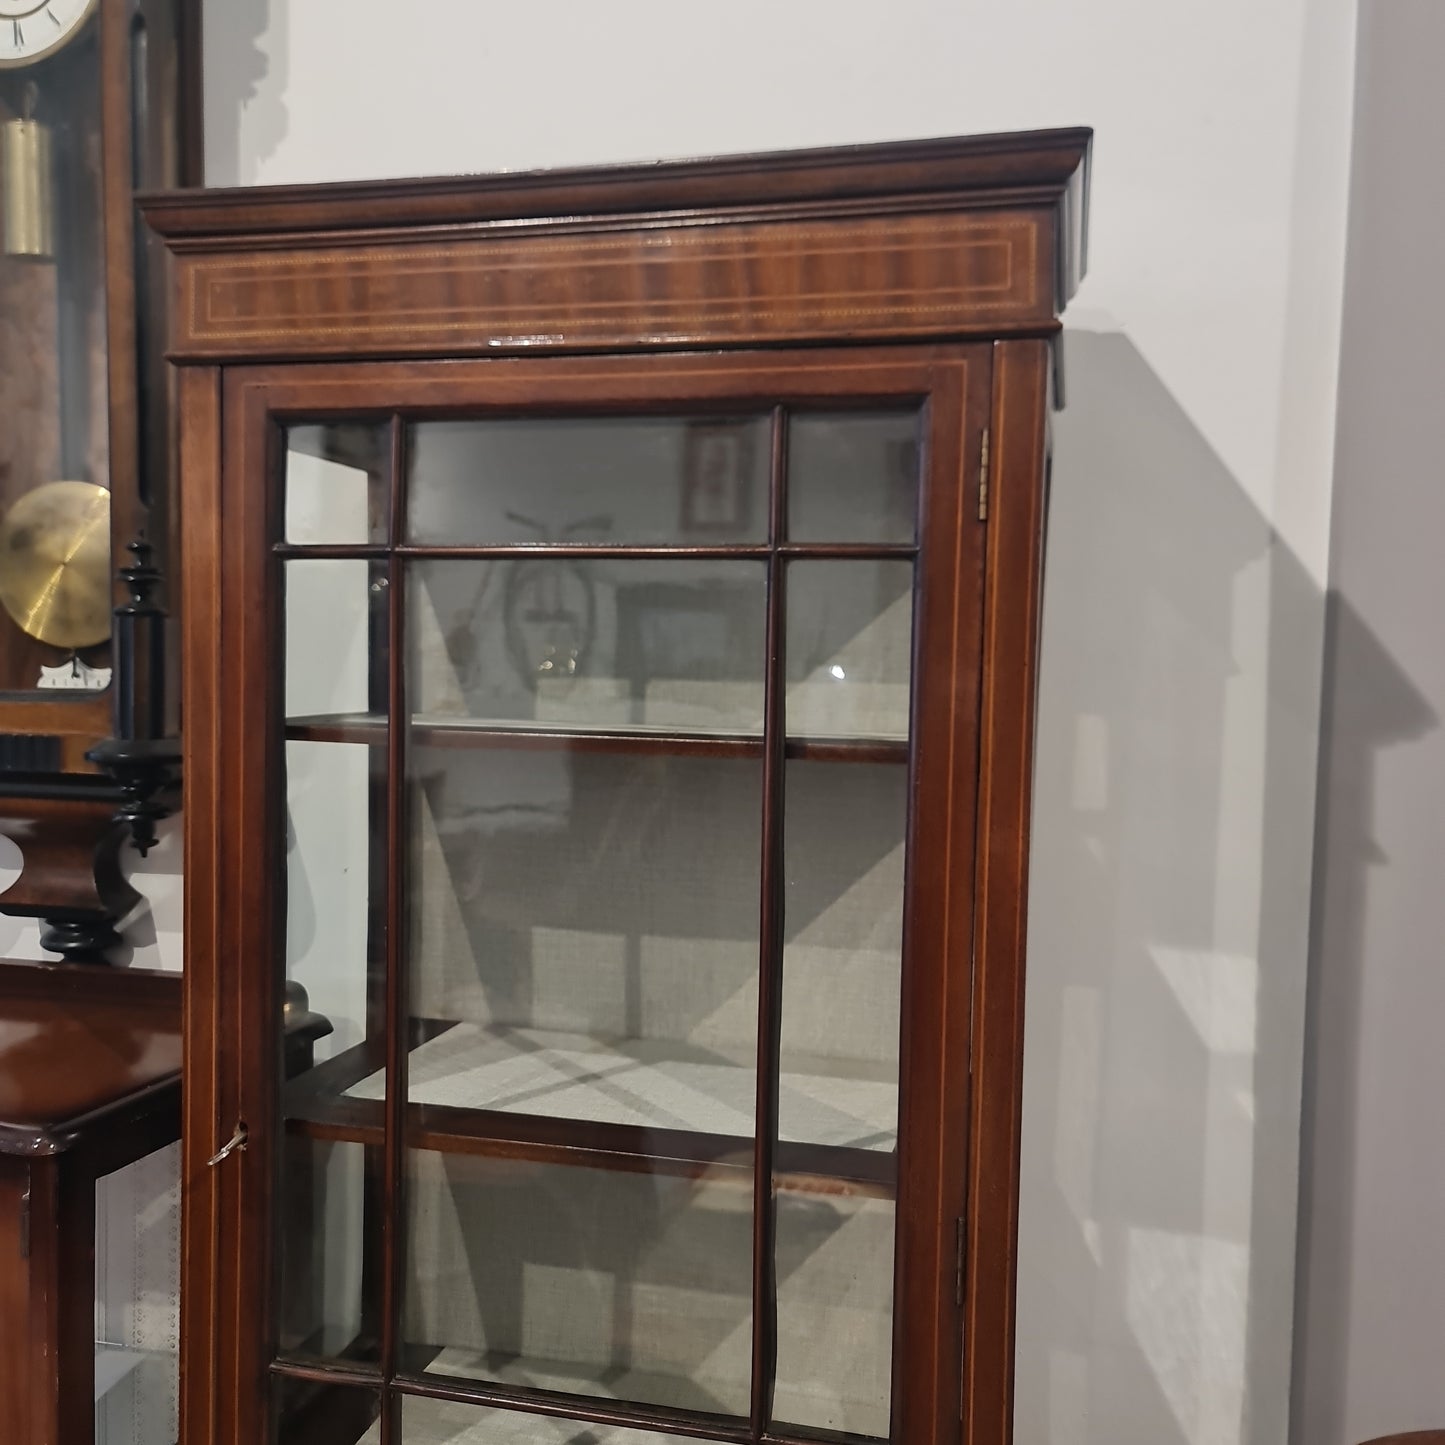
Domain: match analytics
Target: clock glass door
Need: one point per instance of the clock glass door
(599, 741)
(55, 557)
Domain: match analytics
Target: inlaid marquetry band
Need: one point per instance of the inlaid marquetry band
(726, 282)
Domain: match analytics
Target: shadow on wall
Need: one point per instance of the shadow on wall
(1168, 932)
(246, 116)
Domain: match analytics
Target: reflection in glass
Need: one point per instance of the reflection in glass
(842, 978)
(589, 643)
(580, 948)
(327, 1213)
(329, 1304)
(602, 1282)
(443, 1422)
(637, 480)
(336, 483)
(850, 639)
(853, 476)
(306, 1412)
(137, 1288)
(842, 953)
(835, 1312)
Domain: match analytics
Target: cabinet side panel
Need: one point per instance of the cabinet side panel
(1010, 654)
(200, 418)
(14, 1299)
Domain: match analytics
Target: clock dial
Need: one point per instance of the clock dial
(32, 29)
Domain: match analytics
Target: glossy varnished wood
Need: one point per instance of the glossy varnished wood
(90, 1080)
(66, 1056)
(935, 239)
(1005, 771)
(852, 277)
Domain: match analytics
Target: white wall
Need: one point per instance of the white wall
(1372, 1270)
(1188, 547)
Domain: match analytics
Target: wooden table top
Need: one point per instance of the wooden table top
(79, 1043)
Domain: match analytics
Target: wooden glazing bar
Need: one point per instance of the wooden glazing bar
(589, 1409)
(617, 551)
(805, 1168)
(327, 1372)
(770, 947)
(798, 1435)
(397, 1031)
(463, 733)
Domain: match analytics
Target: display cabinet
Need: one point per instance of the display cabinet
(90, 1082)
(609, 663)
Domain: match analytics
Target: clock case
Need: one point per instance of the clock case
(81, 774)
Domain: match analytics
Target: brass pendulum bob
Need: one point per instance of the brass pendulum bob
(28, 179)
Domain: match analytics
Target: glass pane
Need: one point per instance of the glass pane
(835, 1312)
(838, 1100)
(588, 644)
(137, 1279)
(328, 1208)
(603, 1282)
(584, 978)
(329, 1205)
(850, 641)
(580, 948)
(55, 458)
(308, 1413)
(443, 1422)
(853, 476)
(336, 483)
(593, 479)
(843, 954)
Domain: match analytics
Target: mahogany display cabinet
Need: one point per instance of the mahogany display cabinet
(609, 647)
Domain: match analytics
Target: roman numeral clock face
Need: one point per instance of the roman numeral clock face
(32, 29)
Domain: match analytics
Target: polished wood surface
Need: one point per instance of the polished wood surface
(929, 272)
(941, 239)
(90, 1080)
(867, 277)
(1011, 614)
(66, 1054)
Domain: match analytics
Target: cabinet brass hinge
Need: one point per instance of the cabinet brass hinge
(983, 478)
(960, 1244)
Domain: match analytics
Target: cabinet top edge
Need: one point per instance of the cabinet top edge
(1011, 168)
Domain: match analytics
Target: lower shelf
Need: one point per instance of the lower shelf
(638, 1104)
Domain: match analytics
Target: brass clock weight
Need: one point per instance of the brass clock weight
(99, 99)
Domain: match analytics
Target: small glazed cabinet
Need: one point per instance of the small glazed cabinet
(609, 664)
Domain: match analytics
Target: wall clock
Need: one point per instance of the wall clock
(99, 99)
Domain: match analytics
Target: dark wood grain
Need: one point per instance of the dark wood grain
(1005, 769)
(937, 937)
(65, 1057)
(87, 1085)
(770, 944)
(207, 1052)
(875, 275)
(992, 170)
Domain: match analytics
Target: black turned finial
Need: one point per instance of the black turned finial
(140, 757)
(141, 578)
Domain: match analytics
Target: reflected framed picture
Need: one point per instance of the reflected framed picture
(717, 476)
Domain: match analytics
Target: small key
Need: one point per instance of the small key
(238, 1141)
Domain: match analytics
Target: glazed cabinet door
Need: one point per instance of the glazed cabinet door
(587, 750)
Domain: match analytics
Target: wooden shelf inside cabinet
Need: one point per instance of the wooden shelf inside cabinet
(481, 733)
(559, 1098)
